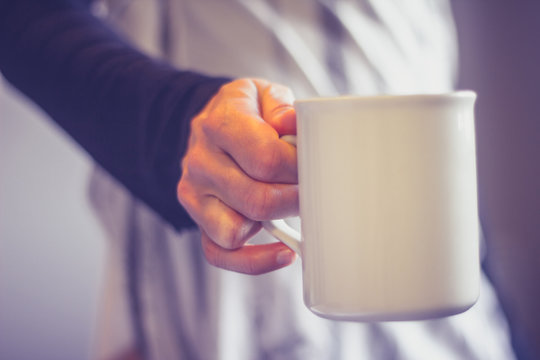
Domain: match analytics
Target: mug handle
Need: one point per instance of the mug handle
(279, 228)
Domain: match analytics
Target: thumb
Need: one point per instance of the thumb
(277, 107)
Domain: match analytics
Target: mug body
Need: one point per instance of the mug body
(388, 203)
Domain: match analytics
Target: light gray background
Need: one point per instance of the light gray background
(51, 248)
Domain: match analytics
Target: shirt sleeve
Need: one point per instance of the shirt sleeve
(130, 113)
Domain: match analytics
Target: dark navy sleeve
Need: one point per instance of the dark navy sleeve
(131, 113)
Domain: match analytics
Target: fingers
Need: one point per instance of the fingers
(237, 128)
(277, 107)
(216, 174)
(250, 259)
(226, 227)
(237, 171)
(260, 153)
(224, 233)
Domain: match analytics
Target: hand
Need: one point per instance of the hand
(237, 172)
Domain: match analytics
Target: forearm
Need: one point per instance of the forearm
(129, 112)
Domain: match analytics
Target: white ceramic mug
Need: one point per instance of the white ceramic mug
(388, 206)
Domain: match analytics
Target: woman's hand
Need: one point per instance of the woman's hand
(237, 172)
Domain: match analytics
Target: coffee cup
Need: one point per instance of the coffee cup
(388, 206)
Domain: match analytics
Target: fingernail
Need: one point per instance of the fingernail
(285, 257)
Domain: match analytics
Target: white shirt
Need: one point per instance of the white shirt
(190, 310)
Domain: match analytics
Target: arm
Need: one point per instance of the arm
(133, 115)
(129, 112)
(237, 171)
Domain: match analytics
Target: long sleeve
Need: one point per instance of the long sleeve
(129, 112)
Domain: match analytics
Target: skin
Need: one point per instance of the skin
(237, 172)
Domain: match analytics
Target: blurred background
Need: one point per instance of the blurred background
(52, 249)
(500, 57)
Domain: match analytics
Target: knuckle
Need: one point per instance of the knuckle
(203, 120)
(230, 86)
(211, 121)
(229, 235)
(267, 163)
(260, 202)
(193, 163)
(280, 91)
(236, 86)
(208, 123)
(238, 91)
(184, 192)
(217, 123)
(197, 127)
(233, 233)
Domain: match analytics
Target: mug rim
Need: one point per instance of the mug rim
(452, 95)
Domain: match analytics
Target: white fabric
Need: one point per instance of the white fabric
(191, 310)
